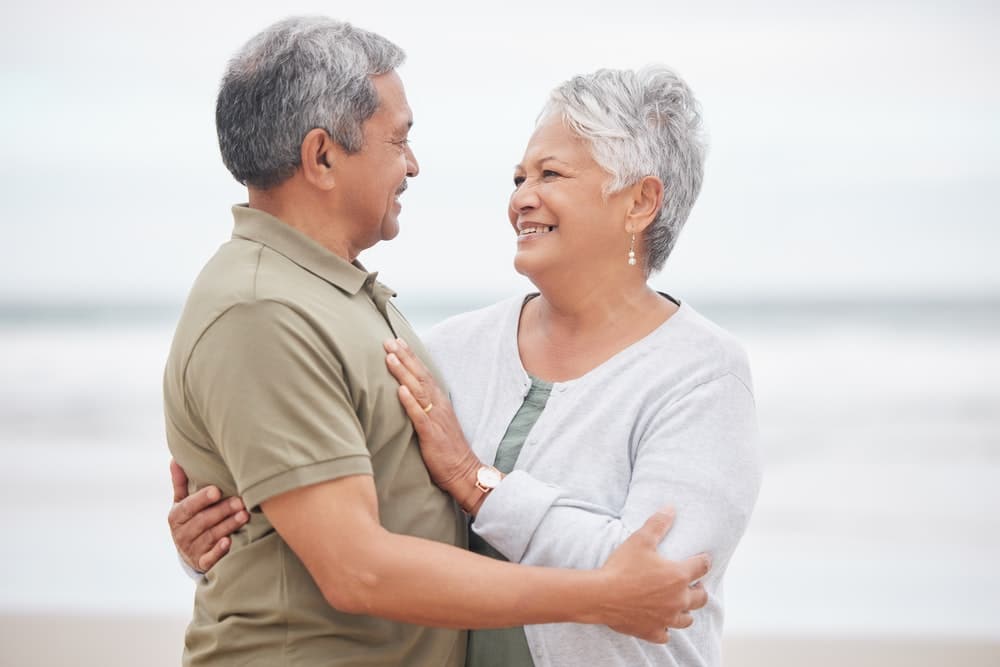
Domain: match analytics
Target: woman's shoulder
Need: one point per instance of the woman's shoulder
(481, 324)
(707, 346)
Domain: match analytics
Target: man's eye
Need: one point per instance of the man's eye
(518, 180)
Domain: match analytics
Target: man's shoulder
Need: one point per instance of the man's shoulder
(227, 279)
(235, 284)
(247, 275)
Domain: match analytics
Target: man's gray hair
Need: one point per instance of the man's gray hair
(299, 74)
(640, 123)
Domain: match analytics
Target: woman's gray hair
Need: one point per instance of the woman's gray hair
(640, 123)
(299, 74)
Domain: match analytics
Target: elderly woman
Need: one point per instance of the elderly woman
(597, 400)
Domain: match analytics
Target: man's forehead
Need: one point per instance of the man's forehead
(392, 100)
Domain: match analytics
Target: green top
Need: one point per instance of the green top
(507, 647)
(276, 380)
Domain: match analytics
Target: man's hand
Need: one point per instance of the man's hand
(655, 593)
(449, 459)
(200, 524)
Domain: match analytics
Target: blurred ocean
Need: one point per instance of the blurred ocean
(880, 422)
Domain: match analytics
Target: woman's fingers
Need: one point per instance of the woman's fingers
(212, 518)
(184, 510)
(201, 523)
(412, 362)
(414, 409)
(410, 372)
(228, 525)
(204, 534)
(196, 526)
(179, 480)
(406, 379)
(207, 561)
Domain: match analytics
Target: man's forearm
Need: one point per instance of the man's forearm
(427, 583)
(362, 568)
(404, 578)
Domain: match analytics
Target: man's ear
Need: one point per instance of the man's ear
(647, 198)
(318, 155)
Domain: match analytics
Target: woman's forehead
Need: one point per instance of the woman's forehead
(553, 140)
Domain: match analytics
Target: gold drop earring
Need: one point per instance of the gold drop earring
(631, 251)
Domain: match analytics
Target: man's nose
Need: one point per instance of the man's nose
(412, 166)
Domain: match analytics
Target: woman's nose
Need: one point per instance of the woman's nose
(523, 199)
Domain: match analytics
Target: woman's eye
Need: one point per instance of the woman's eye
(548, 173)
(518, 180)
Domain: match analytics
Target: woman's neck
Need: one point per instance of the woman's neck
(571, 328)
(587, 312)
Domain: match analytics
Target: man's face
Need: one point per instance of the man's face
(369, 182)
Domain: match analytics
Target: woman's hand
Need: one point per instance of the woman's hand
(449, 460)
(200, 524)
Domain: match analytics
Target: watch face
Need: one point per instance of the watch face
(488, 477)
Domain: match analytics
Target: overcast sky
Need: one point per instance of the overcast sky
(855, 149)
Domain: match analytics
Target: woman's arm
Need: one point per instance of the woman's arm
(201, 523)
(697, 454)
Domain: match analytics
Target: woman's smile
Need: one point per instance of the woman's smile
(531, 232)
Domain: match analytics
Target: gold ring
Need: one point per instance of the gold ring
(430, 406)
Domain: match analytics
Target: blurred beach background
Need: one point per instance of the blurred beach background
(847, 233)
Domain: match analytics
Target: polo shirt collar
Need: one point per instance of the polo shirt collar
(256, 225)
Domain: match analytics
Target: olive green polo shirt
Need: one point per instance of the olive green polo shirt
(276, 380)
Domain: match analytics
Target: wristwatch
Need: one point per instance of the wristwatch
(488, 478)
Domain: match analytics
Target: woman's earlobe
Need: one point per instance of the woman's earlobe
(646, 204)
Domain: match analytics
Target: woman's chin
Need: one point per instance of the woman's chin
(525, 264)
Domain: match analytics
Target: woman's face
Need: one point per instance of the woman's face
(557, 209)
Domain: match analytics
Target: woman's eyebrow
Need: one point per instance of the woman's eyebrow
(547, 158)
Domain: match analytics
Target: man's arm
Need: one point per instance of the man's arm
(362, 568)
(276, 404)
(413, 580)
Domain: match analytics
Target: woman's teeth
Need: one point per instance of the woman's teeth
(535, 230)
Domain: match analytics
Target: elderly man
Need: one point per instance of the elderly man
(276, 390)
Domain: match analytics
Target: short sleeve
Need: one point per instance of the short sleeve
(273, 397)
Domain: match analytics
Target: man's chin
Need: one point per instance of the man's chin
(390, 230)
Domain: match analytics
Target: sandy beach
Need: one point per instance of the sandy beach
(155, 641)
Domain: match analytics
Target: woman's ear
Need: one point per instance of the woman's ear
(647, 198)
(318, 154)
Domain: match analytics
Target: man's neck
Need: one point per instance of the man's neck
(300, 211)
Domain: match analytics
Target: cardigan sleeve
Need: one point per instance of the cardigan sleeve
(698, 454)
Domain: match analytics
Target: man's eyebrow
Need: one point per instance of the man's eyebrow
(403, 128)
